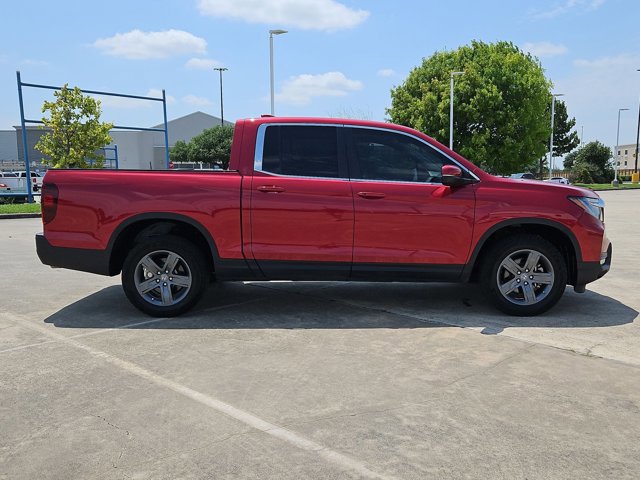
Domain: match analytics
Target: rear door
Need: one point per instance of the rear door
(301, 203)
(406, 222)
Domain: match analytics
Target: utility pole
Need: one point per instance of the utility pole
(271, 34)
(221, 69)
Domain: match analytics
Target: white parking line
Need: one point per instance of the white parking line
(284, 434)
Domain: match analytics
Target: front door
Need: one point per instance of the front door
(406, 221)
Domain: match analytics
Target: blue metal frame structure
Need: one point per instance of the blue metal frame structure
(24, 121)
(113, 149)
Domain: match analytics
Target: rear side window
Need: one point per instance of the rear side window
(301, 151)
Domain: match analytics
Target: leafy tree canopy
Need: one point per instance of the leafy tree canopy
(591, 164)
(211, 146)
(564, 140)
(501, 104)
(75, 131)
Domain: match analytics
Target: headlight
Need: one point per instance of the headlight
(593, 206)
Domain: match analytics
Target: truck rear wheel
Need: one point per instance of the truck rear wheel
(525, 275)
(164, 276)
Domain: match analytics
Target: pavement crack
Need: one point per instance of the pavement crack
(113, 425)
(492, 366)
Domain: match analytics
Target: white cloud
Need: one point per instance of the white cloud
(134, 103)
(622, 60)
(139, 45)
(596, 89)
(328, 15)
(545, 49)
(386, 72)
(29, 62)
(196, 101)
(301, 89)
(566, 7)
(201, 64)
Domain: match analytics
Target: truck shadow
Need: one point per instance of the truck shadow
(332, 305)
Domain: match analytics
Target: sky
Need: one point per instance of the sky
(339, 57)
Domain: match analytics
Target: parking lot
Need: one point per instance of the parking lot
(318, 380)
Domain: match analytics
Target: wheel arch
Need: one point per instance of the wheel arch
(153, 224)
(555, 232)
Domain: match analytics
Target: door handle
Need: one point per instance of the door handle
(270, 189)
(371, 195)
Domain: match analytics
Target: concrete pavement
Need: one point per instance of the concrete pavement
(317, 380)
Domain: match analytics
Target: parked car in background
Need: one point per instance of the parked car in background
(36, 178)
(560, 180)
(11, 181)
(523, 176)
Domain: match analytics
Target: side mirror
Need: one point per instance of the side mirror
(452, 176)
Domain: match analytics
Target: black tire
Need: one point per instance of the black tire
(166, 298)
(523, 296)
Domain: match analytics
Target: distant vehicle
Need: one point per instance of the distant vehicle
(560, 180)
(11, 181)
(36, 178)
(523, 176)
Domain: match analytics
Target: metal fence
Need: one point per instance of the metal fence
(24, 121)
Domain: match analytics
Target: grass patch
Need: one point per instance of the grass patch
(608, 186)
(19, 208)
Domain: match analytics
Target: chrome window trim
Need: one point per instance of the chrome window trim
(259, 152)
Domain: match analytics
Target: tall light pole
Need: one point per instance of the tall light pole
(635, 169)
(221, 69)
(553, 112)
(271, 34)
(615, 155)
(453, 74)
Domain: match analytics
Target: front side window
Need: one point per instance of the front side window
(389, 156)
(302, 151)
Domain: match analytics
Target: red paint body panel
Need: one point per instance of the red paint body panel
(309, 220)
(500, 199)
(92, 204)
(412, 223)
(251, 215)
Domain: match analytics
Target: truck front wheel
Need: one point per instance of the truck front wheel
(525, 275)
(164, 276)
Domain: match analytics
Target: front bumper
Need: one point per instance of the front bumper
(588, 272)
(92, 261)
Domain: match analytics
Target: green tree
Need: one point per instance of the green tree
(564, 140)
(501, 104)
(592, 164)
(213, 145)
(179, 152)
(75, 131)
(570, 160)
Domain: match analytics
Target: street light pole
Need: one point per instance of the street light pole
(615, 155)
(453, 74)
(221, 69)
(635, 169)
(553, 112)
(271, 34)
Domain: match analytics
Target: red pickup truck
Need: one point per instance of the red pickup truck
(325, 199)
